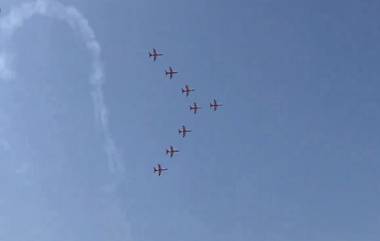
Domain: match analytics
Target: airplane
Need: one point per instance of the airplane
(159, 169)
(171, 72)
(183, 131)
(194, 108)
(171, 151)
(215, 105)
(187, 90)
(155, 54)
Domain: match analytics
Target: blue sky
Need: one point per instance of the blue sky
(293, 155)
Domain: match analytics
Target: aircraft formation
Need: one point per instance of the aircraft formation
(194, 107)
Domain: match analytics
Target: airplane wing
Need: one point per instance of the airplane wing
(154, 57)
(154, 51)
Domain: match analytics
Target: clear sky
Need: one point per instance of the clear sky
(85, 115)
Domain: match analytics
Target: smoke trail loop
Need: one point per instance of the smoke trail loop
(54, 9)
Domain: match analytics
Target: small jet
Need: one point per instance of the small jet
(154, 54)
(171, 151)
(171, 72)
(194, 108)
(215, 105)
(183, 131)
(159, 169)
(187, 90)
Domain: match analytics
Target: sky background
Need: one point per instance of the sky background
(292, 156)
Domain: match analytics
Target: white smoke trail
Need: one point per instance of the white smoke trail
(51, 8)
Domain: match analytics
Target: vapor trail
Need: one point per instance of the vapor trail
(54, 9)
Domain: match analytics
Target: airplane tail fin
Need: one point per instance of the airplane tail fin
(150, 54)
(167, 151)
(155, 170)
(183, 91)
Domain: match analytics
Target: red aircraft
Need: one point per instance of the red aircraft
(194, 108)
(171, 72)
(183, 131)
(155, 54)
(171, 151)
(215, 105)
(159, 169)
(187, 90)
